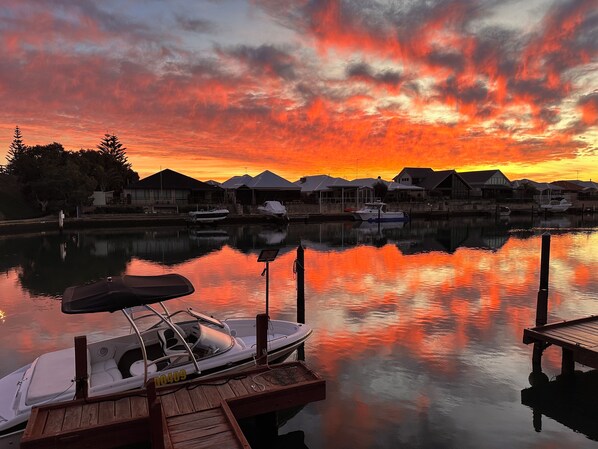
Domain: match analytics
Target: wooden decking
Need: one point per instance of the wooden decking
(578, 337)
(196, 414)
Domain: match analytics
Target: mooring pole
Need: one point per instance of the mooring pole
(541, 308)
(267, 285)
(81, 385)
(542, 303)
(261, 329)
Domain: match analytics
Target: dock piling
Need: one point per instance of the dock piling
(300, 269)
(261, 328)
(81, 384)
(542, 303)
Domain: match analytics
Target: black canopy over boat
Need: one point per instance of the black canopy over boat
(121, 292)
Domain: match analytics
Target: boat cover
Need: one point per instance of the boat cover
(120, 292)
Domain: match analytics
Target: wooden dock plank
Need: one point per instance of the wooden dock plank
(54, 421)
(89, 414)
(39, 418)
(122, 408)
(199, 399)
(106, 412)
(138, 407)
(72, 417)
(169, 404)
(572, 336)
(225, 391)
(183, 400)
(238, 387)
(212, 395)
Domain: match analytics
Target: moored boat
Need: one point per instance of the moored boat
(208, 215)
(169, 347)
(273, 209)
(376, 212)
(556, 206)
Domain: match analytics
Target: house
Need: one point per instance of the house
(168, 189)
(267, 186)
(325, 189)
(488, 184)
(526, 189)
(446, 183)
(410, 176)
(101, 198)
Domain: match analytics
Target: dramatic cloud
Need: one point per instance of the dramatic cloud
(213, 89)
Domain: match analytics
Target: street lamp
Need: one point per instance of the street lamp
(267, 255)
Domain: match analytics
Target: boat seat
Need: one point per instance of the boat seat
(104, 372)
(170, 342)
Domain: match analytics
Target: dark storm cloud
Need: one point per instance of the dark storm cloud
(365, 72)
(265, 59)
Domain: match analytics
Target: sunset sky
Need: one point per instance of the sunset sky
(349, 88)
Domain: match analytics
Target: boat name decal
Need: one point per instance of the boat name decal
(170, 378)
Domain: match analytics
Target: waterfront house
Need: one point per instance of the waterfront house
(317, 189)
(166, 190)
(540, 192)
(488, 184)
(267, 186)
(444, 184)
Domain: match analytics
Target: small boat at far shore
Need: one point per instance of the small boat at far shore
(208, 215)
(274, 209)
(504, 211)
(168, 347)
(556, 206)
(376, 212)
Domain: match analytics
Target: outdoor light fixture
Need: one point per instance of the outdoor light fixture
(267, 255)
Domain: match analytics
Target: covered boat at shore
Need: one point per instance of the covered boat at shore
(170, 347)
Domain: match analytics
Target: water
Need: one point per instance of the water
(417, 329)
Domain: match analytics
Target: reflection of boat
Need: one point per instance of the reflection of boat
(273, 237)
(504, 211)
(556, 206)
(376, 211)
(273, 209)
(173, 347)
(208, 215)
(372, 227)
(208, 234)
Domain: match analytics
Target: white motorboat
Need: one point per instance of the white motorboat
(273, 209)
(208, 215)
(556, 206)
(170, 347)
(376, 212)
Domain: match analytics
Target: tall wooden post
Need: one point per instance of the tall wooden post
(542, 303)
(261, 329)
(300, 267)
(81, 385)
(156, 422)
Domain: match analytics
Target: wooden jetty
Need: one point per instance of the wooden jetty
(578, 338)
(195, 414)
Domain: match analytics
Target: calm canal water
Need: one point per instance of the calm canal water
(417, 329)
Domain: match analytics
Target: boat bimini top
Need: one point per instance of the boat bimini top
(122, 292)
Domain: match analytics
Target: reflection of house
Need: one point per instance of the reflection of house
(266, 186)
(446, 183)
(171, 189)
(488, 184)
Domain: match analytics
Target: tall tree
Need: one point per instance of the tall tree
(15, 151)
(117, 168)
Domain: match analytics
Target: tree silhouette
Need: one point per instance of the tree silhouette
(15, 151)
(117, 171)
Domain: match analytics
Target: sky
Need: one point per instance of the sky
(350, 88)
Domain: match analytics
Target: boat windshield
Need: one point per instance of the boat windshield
(215, 340)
